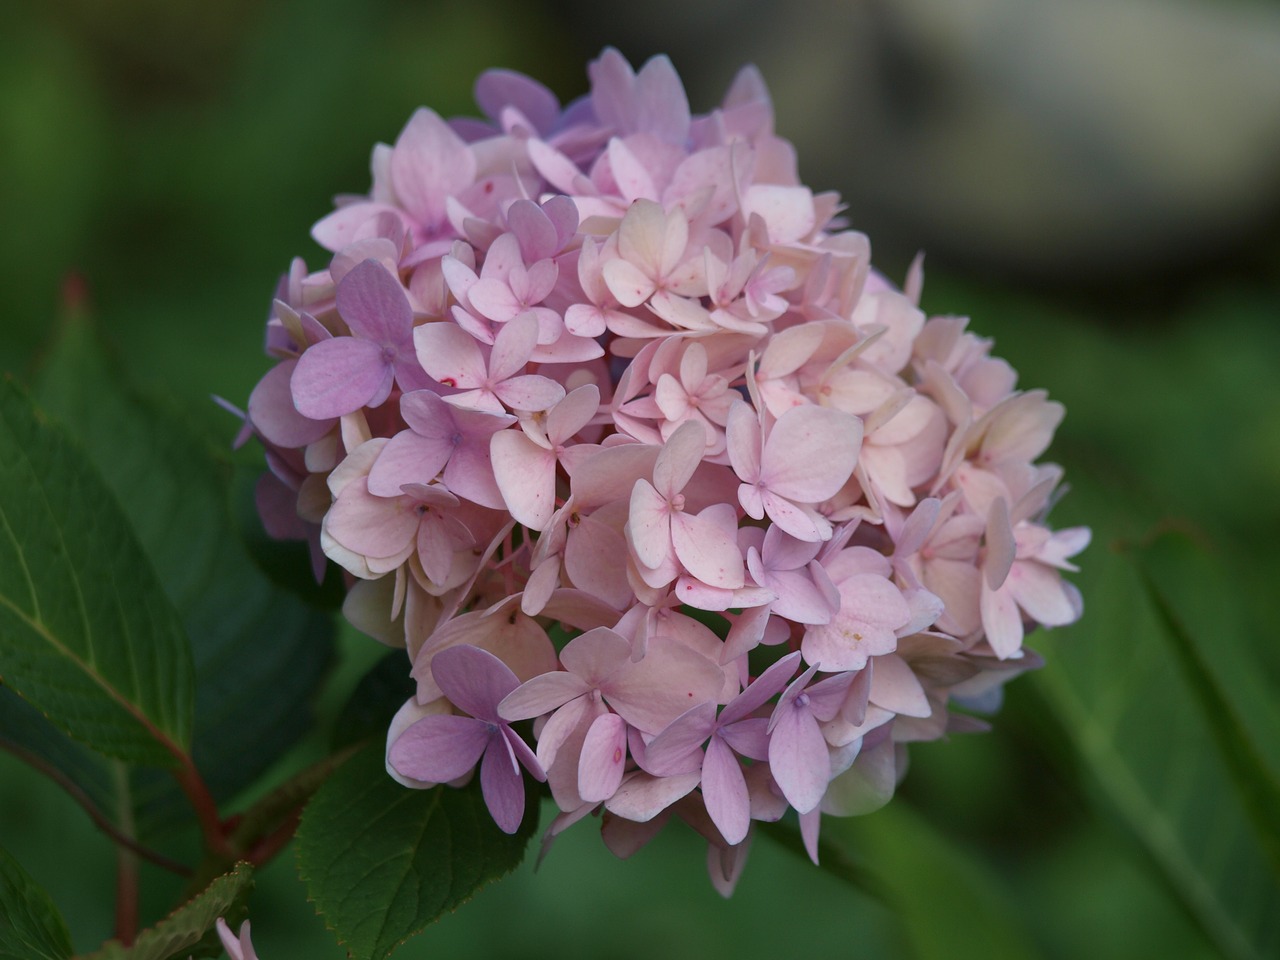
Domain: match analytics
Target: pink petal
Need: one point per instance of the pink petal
(596, 654)
(1041, 592)
(541, 695)
(895, 687)
(272, 413)
(374, 304)
(798, 757)
(526, 475)
(529, 392)
(407, 458)
(603, 758)
(664, 684)
(1001, 621)
(474, 680)
(338, 376)
(724, 791)
(679, 458)
(765, 686)
(429, 163)
(497, 88)
(677, 748)
(627, 282)
(450, 355)
(706, 551)
(743, 437)
(371, 526)
(810, 453)
(502, 785)
(650, 525)
(572, 413)
(512, 347)
(439, 748)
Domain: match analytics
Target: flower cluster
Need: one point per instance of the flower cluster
(615, 430)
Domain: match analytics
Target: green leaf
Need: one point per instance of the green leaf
(260, 653)
(30, 926)
(189, 930)
(86, 633)
(949, 905)
(1127, 705)
(382, 861)
(1225, 690)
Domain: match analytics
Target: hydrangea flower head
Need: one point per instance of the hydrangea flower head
(612, 369)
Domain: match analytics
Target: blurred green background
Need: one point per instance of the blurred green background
(1097, 186)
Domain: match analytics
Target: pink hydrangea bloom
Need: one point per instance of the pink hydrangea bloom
(615, 429)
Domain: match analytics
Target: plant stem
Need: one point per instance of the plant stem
(126, 861)
(212, 827)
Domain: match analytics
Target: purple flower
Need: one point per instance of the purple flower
(438, 749)
(341, 375)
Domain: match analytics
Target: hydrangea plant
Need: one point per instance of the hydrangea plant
(669, 498)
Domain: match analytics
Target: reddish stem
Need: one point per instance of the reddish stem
(126, 896)
(206, 809)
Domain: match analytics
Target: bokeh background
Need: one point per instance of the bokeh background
(1097, 184)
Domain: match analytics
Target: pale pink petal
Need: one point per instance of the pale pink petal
(596, 654)
(603, 758)
(335, 377)
(572, 413)
(526, 475)
(643, 796)
(369, 525)
(1001, 621)
(798, 757)
(474, 680)
(502, 785)
(591, 560)
(801, 522)
(438, 749)
(788, 212)
(407, 458)
(629, 172)
(1040, 591)
(529, 392)
(650, 525)
(706, 551)
(272, 413)
(810, 453)
(676, 749)
(895, 687)
(1001, 548)
(340, 227)
(374, 304)
(664, 684)
(627, 282)
(743, 436)
(724, 791)
(867, 785)
(493, 299)
(679, 458)
(429, 163)
(449, 355)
